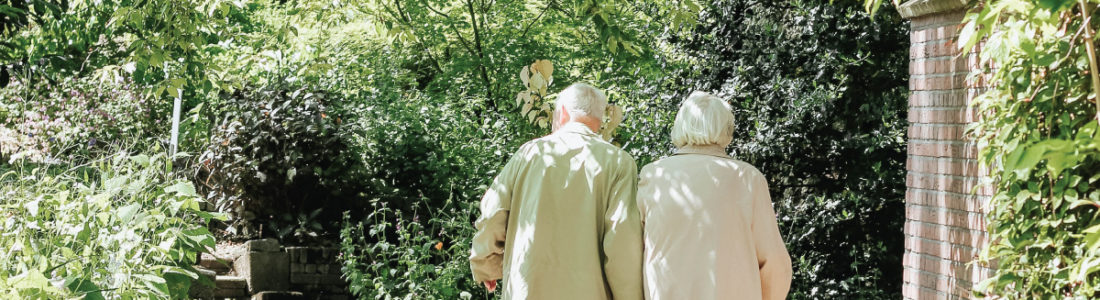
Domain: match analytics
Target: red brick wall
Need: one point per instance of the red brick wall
(944, 226)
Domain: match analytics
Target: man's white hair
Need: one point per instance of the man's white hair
(703, 120)
(582, 99)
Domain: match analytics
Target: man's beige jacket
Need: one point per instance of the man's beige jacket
(560, 221)
(710, 231)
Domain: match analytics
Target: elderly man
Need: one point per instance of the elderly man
(560, 221)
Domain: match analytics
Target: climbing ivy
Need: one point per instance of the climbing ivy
(1036, 131)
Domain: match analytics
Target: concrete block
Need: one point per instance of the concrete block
(272, 270)
(263, 245)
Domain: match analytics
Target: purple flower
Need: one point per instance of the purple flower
(91, 142)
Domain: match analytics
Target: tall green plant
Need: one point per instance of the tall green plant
(120, 227)
(1037, 131)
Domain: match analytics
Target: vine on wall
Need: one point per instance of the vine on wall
(1036, 133)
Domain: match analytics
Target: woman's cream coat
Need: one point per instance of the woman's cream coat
(710, 230)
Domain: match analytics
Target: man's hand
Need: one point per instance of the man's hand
(491, 285)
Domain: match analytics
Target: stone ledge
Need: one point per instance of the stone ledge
(916, 8)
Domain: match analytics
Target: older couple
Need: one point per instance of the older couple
(570, 218)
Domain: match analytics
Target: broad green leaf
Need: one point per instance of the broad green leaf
(182, 188)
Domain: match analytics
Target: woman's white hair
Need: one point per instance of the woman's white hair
(582, 99)
(703, 120)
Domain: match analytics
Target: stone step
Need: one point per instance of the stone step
(230, 287)
(216, 264)
(200, 288)
(270, 295)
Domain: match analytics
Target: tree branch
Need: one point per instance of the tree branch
(480, 53)
(1090, 47)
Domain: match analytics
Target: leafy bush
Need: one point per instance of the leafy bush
(428, 163)
(122, 226)
(74, 117)
(815, 84)
(390, 256)
(275, 151)
(1037, 134)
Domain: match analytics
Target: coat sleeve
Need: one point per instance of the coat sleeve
(487, 249)
(771, 253)
(622, 237)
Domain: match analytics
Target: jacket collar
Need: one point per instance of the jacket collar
(577, 128)
(712, 150)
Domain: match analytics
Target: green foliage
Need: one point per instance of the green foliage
(1037, 136)
(389, 256)
(119, 227)
(477, 47)
(75, 117)
(815, 84)
(161, 44)
(429, 163)
(278, 150)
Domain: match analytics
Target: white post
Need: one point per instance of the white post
(175, 126)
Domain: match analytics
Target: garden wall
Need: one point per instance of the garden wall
(945, 226)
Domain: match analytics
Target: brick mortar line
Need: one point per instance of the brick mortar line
(941, 142)
(971, 231)
(911, 155)
(949, 261)
(940, 24)
(981, 216)
(937, 124)
(974, 178)
(922, 57)
(946, 209)
(943, 276)
(969, 203)
(938, 108)
(950, 159)
(923, 240)
(938, 274)
(923, 291)
(935, 58)
(938, 75)
(987, 197)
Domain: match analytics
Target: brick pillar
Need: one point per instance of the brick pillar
(944, 223)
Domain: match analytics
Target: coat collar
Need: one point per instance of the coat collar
(577, 128)
(712, 150)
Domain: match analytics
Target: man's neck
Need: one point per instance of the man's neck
(590, 122)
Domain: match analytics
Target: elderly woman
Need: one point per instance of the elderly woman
(710, 231)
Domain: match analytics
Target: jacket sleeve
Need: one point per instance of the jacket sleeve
(771, 253)
(622, 237)
(487, 249)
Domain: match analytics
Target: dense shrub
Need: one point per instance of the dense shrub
(120, 227)
(818, 90)
(428, 165)
(277, 152)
